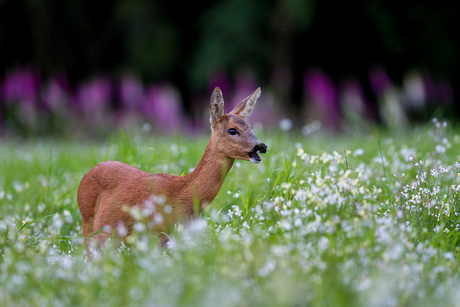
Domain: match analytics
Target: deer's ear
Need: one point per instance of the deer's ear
(216, 105)
(245, 107)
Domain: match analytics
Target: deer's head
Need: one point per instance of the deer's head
(230, 132)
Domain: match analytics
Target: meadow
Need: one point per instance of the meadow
(369, 219)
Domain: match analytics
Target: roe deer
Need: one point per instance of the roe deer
(110, 186)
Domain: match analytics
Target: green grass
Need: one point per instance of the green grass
(317, 223)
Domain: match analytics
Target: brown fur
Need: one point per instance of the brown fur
(111, 185)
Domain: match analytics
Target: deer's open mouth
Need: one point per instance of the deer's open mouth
(254, 153)
(254, 157)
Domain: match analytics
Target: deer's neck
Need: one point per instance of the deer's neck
(207, 178)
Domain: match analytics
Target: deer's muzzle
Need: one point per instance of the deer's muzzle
(254, 153)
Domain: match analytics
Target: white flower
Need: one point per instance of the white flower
(408, 153)
(268, 267)
(139, 227)
(121, 229)
(449, 256)
(297, 222)
(287, 225)
(158, 218)
(57, 221)
(440, 149)
(236, 210)
(146, 127)
(323, 244)
(316, 125)
(68, 217)
(198, 226)
(286, 124)
(358, 152)
(301, 195)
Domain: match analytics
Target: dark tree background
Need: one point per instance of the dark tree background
(188, 42)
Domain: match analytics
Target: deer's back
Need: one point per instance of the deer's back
(118, 180)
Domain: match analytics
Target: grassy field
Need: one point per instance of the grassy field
(365, 220)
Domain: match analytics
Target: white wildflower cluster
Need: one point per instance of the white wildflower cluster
(430, 196)
(433, 197)
(311, 128)
(375, 226)
(235, 213)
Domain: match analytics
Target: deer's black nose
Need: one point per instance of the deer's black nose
(262, 148)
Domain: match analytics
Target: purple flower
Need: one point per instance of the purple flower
(379, 80)
(94, 95)
(92, 100)
(440, 91)
(162, 107)
(322, 94)
(389, 98)
(445, 92)
(131, 92)
(55, 95)
(21, 85)
(430, 88)
(352, 97)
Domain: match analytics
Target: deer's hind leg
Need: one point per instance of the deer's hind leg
(111, 222)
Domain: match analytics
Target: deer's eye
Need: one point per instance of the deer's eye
(233, 131)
